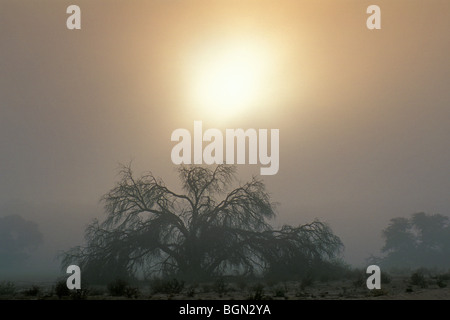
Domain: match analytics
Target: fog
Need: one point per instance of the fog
(363, 115)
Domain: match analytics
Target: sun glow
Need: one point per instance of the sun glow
(230, 78)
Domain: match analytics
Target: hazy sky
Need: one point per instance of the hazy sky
(364, 116)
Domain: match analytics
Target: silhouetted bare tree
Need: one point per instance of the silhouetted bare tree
(202, 232)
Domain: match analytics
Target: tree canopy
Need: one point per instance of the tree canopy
(18, 238)
(419, 241)
(208, 229)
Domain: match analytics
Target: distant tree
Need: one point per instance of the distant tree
(420, 241)
(18, 238)
(200, 233)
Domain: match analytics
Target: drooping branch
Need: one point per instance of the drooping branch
(205, 231)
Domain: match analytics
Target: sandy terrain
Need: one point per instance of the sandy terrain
(398, 288)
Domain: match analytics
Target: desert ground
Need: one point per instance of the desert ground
(393, 287)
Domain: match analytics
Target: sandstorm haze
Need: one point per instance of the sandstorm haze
(363, 115)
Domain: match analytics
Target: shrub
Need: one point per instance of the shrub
(191, 291)
(385, 278)
(280, 292)
(299, 293)
(378, 292)
(34, 291)
(307, 281)
(61, 289)
(256, 292)
(96, 291)
(359, 282)
(172, 286)
(220, 287)
(271, 282)
(79, 294)
(7, 288)
(117, 288)
(132, 292)
(241, 284)
(441, 281)
(206, 288)
(444, 276)
(418, 279)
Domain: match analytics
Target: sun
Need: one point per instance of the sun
(229, 78)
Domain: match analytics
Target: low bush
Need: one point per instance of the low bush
(418, 279)
(117, 288)
(166, 286)
(220, 287)
(256, 292)
(61, 289)
(7, 288)
(34, 291)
